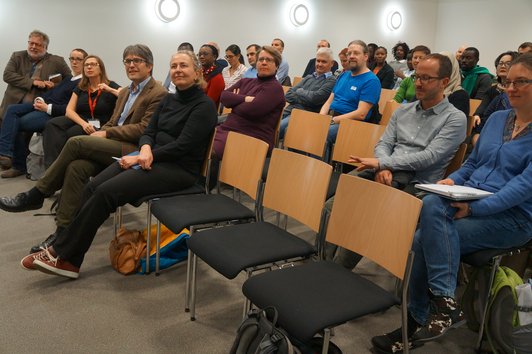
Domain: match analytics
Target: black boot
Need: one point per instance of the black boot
(30, 200)
(444, 315)
(50, 240)
(393, 342)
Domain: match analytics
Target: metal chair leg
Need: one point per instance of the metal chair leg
(187, 283)
(326, 340)
(193, 288)
(247, 303)
(117, 220)
(158, 248)
(148, 238)
(485, 304)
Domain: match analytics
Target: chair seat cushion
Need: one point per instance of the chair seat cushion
(484, 257)
(179, 212)
(315, 296)
(231, 249)
(195, 189)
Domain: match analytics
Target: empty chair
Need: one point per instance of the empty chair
(368, 218)
(389, 108)
(307, 132)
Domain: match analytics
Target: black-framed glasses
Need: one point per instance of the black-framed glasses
(135, 61)
(424, 79)
(505, 64)
(91, 65)
(266, 59)
(519, 83)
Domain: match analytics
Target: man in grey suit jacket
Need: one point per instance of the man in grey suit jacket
(85, 156)
(29, 72)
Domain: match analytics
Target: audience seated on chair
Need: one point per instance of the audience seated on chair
(85, 156)
(311, 66)
(256, 104)
(172, 150)
(459, 51)
(90, 107)
(213, 81)
(168, 85)
(496, 98)
(344, 62)
(372, 47)
(282, 72)
(476, 80)
(407, 88)
(525, 47)
(251, 53)
(27, 73)
(23, 118)
(312, 92)
(355, 93)
(501, 163)
(456, 95)
(383, 71)
(399, 64)
(236, 68)
(400, 160)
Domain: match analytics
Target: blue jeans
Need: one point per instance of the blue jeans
(331, 139)
(283, 126)
(19, 118)
(440, 241)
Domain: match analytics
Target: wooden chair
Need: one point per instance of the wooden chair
(473, 105)
(307, 132)
(286, 88)
(354, 138)
(389, 108)
(297, 80)
(371, 219)
(386, 95)
(457, 160)
(296, 187)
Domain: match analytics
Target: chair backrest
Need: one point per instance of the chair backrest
(286, 88)
(457, 160)
(242, 162)
(389, 108)
(375, 221)
(386, 95)
(296, 186)
(307, 132)
(226, 110)
(297, 80)
(356, 138)
(473, 105)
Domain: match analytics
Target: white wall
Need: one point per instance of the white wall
(105, 27)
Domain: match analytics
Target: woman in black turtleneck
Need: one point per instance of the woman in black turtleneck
(256, 103)
(171, 153)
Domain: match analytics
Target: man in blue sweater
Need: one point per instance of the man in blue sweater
(21, 119)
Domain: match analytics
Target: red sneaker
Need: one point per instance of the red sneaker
(56, 266)
(27, 262)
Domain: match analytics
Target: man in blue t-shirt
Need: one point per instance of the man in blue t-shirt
(355, 94)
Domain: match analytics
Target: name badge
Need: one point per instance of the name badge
(95, 123)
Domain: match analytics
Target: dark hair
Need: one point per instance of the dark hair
(185, 46)
(403, 45)
(140, 50)
(280, 40)
(445, 66)
(525, 45)
(363, 45)
(421, 48)
(82, 51)
(214, 50)
(274, 53)
(233, 48)
(381, 47)
(256, 46)
(510, 53)
(372, 46)
(474, 50)
(524, 59)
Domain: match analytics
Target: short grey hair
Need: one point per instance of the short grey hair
(325, 52)
(360, 43)
(44, 36)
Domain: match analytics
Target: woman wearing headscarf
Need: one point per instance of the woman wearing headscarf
(454, 92)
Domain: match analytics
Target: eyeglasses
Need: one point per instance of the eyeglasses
(135, 61)
(35, 44)
(424, 79)
(75, 59)
(519, 83)
(505, 64)
(266, 59)
(87, 65)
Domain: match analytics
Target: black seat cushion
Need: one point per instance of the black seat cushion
(179, 212)
(315, 296)
(483, 257)
(229, 250)
(195, 189)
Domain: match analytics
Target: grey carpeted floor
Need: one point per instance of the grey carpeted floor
(105, 312)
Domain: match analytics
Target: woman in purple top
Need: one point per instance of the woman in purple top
(256, 104)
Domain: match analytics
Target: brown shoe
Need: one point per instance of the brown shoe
(5, 162)
(11, 173)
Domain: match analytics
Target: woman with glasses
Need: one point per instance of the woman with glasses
(212, 72)
(407, 89)
(236, 68)
(256, 104)
(24, 118)
(495, 99)
(500, 163)
(90, 107)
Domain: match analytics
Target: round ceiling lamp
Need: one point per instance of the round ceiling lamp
(167, 10)
(395, 20)
(299, 15)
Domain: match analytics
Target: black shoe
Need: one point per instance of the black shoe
(393, 342)
(21, 202)
(444, 315)
(50, 240)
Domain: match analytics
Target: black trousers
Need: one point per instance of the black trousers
(55, 135)
(112, 188)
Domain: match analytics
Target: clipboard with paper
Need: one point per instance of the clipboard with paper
(457, 193)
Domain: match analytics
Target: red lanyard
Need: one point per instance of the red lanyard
(92, 104)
